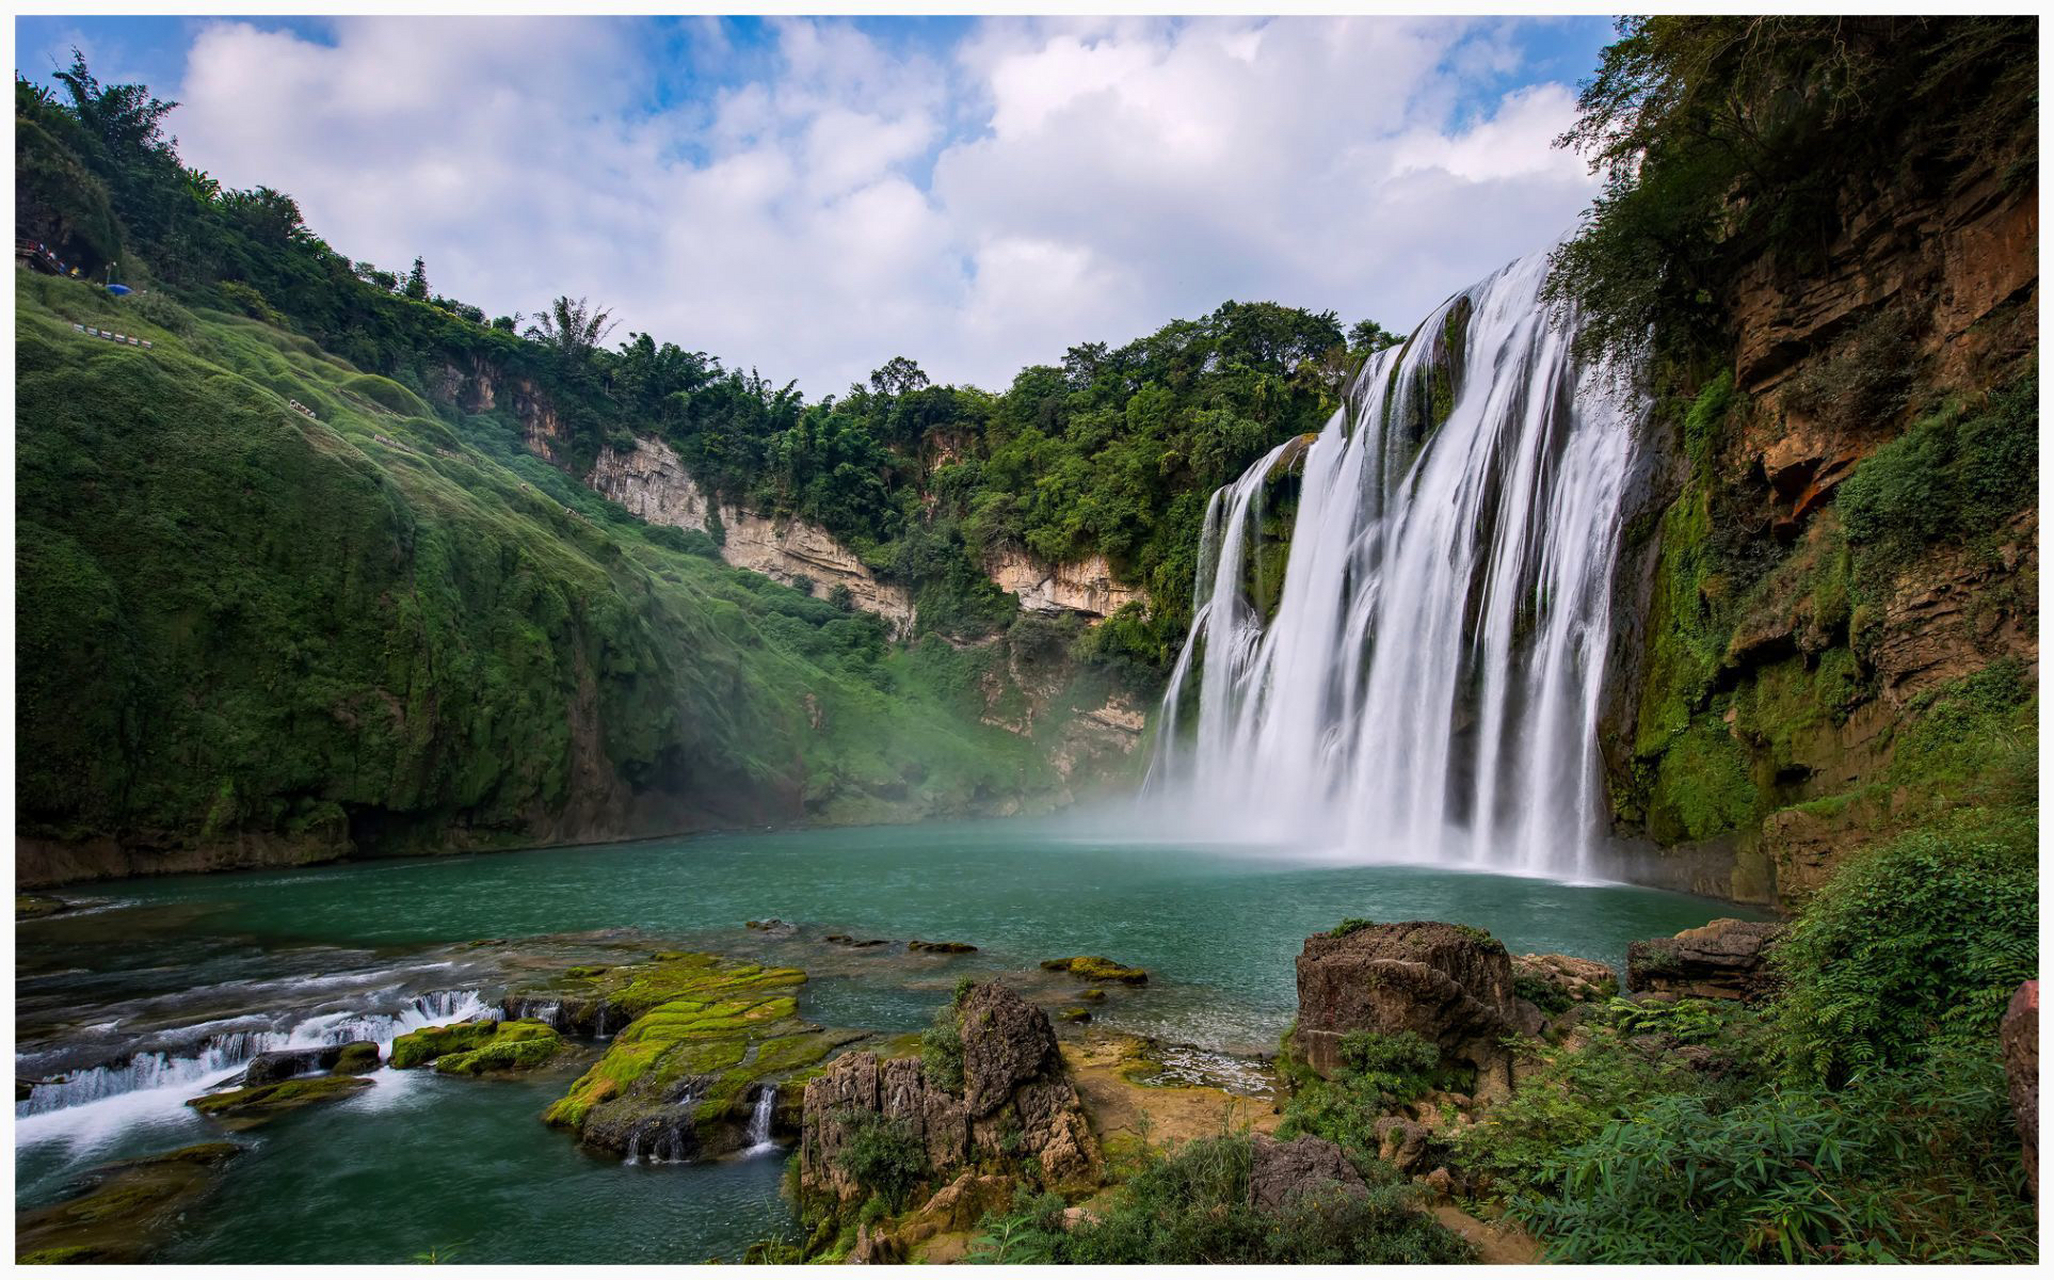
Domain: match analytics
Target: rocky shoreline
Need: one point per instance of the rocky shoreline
(1411, 1040)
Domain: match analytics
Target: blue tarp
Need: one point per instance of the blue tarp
(118, 290)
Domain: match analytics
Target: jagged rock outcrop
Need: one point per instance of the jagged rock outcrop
(650, 480)
(1445, 983)
(1085, 586)
(2019, 1034)
(1015, 1103)
(1723, 960)
(1305, 1166)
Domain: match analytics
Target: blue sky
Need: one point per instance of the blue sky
(814, 196)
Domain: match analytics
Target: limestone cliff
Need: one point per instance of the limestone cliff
(1777, 645)
(1086, 587)
(650, 481)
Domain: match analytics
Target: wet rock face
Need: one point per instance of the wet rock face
(1724, 960)
(284, 1064)
(1016, 1103)
(2019, 1035)
(1450, 985)
(1287, 1171)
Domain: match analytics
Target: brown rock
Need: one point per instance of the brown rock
(1401, 1143)
(1006, 1042)
(1440, 1184)
(1450, 985)
(2019, 1034)
(1286, 1171)
(1724, 960)
(1576, 978)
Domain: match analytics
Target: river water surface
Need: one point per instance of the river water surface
(161, 987)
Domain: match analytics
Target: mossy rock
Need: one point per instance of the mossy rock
(125, 1211)
(418, 1048)
(940, 948)
(514, 1046)
(34, 906)
(1094, 995)
(704, 1032)
(601, 999)
(356, 1058)
(1073, 1014)
(1097, 969)
(247, 1108)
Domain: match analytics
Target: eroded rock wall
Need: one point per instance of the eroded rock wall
(1766, 666)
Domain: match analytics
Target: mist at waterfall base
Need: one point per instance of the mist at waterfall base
(1428, 688)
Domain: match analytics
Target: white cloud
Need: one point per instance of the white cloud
(1038, 185)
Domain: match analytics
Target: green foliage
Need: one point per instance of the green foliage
(1718, 137)
(1542, 994)
(1353, 924)
(882, 1154)
(941, 1047)
(1192, 1206)
(1686, 1021)
(1915, 1165)
(1953, 478)
(1917, 944)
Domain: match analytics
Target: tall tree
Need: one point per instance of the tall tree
(417, 281)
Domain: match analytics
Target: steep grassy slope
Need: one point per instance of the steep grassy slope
(248, 635)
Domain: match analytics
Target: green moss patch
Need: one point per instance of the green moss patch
(1097, 969)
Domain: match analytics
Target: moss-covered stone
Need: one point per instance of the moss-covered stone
(34, 906)
(125, 1210)
(247, 1108)
(418, 1048)
(514, 1046)
(1097, 969)
(704, 1030)
(356, 1058)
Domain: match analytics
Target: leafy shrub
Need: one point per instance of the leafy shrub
(941, 1050)
(882, 1154)
(1353, 924)
(1542, 994)
(1192, 1207)
(251, 303)
(1948, 479)
(1898, 1167)
(1688, 1021)
(1917, 943)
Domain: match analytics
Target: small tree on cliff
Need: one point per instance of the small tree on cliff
(417, 282)
(573, 326)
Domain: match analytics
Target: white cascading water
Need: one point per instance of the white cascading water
(1427, 689)
(759, 1121)
(88, 1104)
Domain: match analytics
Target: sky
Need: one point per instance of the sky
(811, 197)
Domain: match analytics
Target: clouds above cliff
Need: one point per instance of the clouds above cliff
(815, 197)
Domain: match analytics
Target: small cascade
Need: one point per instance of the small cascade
(1427, 688)
(666, 1136)
(220, 1057)
(759, 1121)
(529, 1009)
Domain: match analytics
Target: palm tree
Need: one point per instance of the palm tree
(573, 326)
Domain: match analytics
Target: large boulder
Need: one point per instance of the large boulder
(2019, 1034)
(1448, 984)
(1724, 960)
(1285, 1171)
(1015, 1104)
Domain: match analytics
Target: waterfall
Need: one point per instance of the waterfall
(1428, 686)
(759, 1121)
